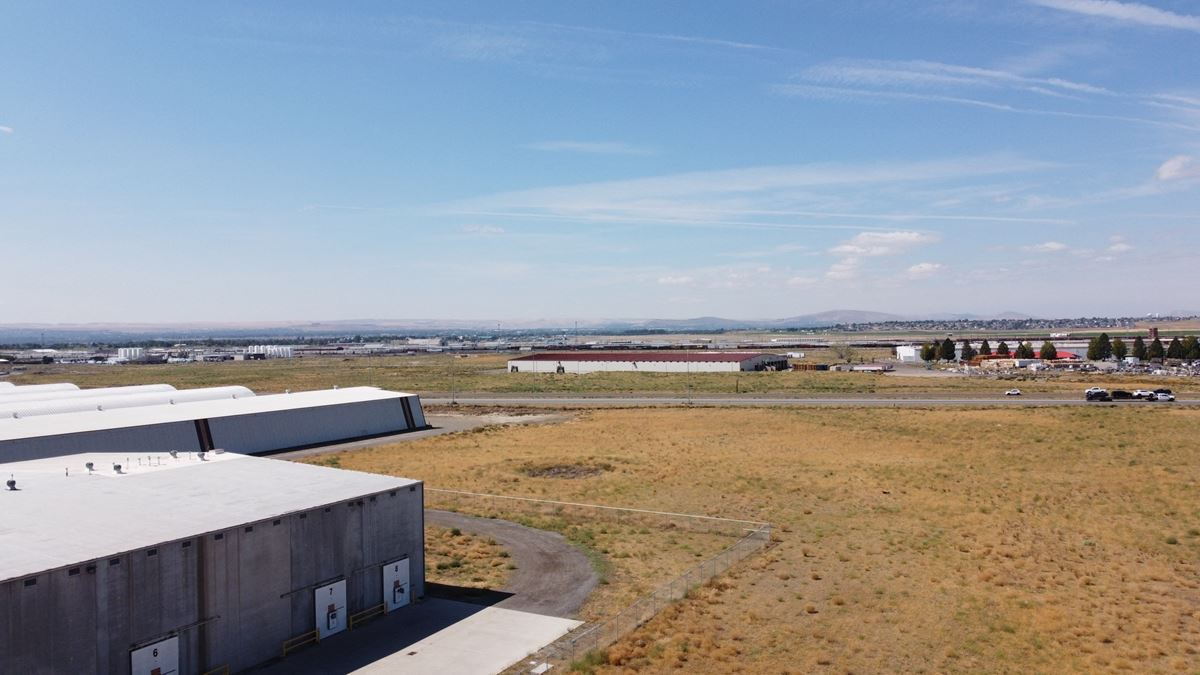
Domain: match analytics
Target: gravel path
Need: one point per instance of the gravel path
(552, 576)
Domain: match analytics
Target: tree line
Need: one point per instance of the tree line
(1100, 348)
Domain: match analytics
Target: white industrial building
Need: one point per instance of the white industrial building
(270, 351)
(908, 354)
(647, 362)
(193, 563)
(233, 421)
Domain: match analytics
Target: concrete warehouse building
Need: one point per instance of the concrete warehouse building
(191, 564)
(647, 362)
(248, 425)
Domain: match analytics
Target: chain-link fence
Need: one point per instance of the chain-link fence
(748, 537)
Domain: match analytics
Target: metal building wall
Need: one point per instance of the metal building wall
(231, 600)
(270, 431)
(128, 441)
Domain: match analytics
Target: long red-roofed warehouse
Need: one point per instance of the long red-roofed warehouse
(698, 361)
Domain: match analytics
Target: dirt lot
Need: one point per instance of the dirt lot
(989, 540)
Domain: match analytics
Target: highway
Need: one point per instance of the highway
(767, 401)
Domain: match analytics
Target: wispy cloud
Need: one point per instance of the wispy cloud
(5, 130)
(935, 74)
(664, 37)
(1046, 247)
(853, 251)
(1129, 12)
(765, 197)
(923, 270)
(483, 230)
(591, 147)
(1179, 167)
(987, 88)
(875, 244)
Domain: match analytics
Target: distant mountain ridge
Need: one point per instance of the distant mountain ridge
(115, 332)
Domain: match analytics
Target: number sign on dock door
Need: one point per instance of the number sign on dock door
(331, 609)
(160, 658)
(396, 591)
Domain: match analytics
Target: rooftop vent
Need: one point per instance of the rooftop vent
(12, 484)
(116, 468)
(89, 466)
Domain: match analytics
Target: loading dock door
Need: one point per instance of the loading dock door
(330, 609)
(396, 590)
(160, 658)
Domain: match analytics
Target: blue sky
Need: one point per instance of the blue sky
(286, 161)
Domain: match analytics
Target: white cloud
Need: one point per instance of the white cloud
(486, 230)
(1179, 167)
(1131, 12)
(681, 280)
(1118, 244)
(591, 147)
(1046, 247)
(6, 130)
(873, 244)
(846, 268)
(923, 270)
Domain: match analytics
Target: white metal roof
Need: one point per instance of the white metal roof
(6, 385)
(78, 422)
(72, 394)
(24, 409)
(54, 519)
(29, 388)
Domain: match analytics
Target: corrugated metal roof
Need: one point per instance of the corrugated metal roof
(664, 356)
(77, 422)
(55, 520)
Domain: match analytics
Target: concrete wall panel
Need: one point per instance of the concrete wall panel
(267, 432)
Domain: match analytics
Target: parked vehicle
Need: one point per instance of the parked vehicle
(1013, 392)
(1164, 397)
(1122, 395)
(1096, 394)
(1143, 393)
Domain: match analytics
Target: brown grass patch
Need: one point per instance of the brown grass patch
(462, 559)
(936, 540)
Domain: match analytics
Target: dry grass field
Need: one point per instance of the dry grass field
(978, 540)
(441, 373)
(459, 558)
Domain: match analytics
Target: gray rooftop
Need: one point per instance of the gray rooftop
(55, 520)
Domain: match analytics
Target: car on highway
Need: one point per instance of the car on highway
(1160, 396)
(1013, 392)
(1122, 395)
(1143, 393)
(1096, 394)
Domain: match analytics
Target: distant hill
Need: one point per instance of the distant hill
(282, 331)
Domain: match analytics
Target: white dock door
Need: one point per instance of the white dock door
(160, 658)
(396, 590)
(330, 608)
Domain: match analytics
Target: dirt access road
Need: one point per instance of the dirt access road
(552, 576)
